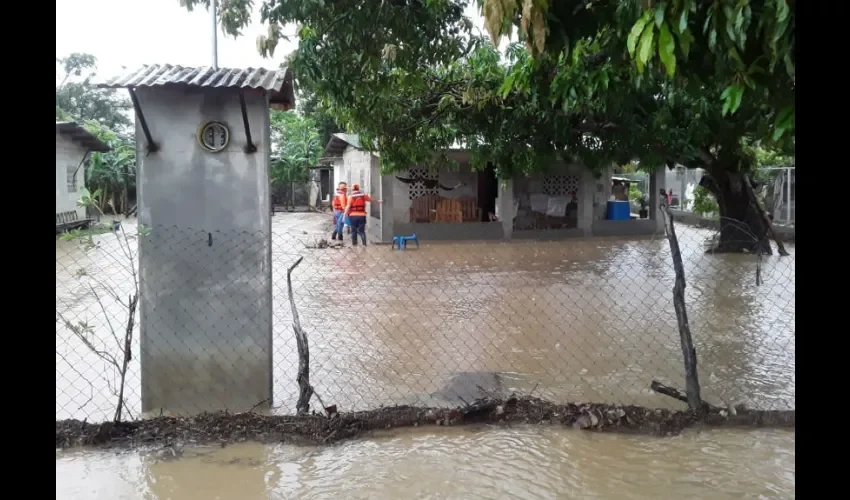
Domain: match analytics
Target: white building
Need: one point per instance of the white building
(463, 204)
(73, 144)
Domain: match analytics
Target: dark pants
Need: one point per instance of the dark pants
(358, 226)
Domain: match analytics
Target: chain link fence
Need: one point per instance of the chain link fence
(207, 324)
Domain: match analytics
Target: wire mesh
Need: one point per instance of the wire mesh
(580, 320)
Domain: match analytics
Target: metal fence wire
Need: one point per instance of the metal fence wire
(583, 320)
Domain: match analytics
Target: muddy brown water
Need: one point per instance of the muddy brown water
(578, 320)
(521, 462)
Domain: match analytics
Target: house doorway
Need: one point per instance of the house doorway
(488, 190)
(325, 184)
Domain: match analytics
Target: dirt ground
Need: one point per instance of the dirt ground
(226, 428)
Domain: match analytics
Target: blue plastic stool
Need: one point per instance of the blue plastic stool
(401, 241)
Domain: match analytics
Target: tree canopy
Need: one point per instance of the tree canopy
(599, 81)
(296, 145)
(76, 96)
(697, 83)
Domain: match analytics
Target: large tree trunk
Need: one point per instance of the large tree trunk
(744, 226)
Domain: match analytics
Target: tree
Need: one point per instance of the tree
(721, 74)
(78, 99)
(112, 174)
(598, 82)
(296, 144)
(311, 107)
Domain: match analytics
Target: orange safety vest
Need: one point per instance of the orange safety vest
(339, 201)
(358, 203)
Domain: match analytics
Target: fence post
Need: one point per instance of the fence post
(788, 197)
(689, 353)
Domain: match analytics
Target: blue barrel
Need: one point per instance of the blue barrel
(619, 210)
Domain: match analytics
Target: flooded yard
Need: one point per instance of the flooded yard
(483, 462)
(576, 320)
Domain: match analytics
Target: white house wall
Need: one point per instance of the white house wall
(356, 168)
(69, 155)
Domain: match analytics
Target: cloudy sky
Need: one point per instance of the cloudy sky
(124, 33)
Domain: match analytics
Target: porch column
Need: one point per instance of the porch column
(387, 215)
(506, 207)
(586, 188)
(657, 182)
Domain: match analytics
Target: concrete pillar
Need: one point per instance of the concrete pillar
(205, 266)
(602, 191)
(387, 208)
(657, 182)
(505, 201)
(586, 188)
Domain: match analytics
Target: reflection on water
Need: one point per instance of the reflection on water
(521, 462)
(577, 320)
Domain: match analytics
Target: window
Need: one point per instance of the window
(72, 179)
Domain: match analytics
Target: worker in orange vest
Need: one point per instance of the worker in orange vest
(356, 212)
(339, 203)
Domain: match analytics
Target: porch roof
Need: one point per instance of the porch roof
(80, 136)
(336, 146)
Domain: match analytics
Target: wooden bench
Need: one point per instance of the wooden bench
(65, 221)
(424, 208)
(435, 208)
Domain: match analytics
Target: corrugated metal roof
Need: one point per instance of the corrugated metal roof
(277, 82)
(76, 133)
(353, 139)
(338, 143)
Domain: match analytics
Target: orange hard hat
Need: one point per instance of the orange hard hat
(356, 187)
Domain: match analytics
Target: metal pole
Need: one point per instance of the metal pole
(214, 11)
(788, 198)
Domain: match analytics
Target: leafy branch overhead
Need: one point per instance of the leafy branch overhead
(696, 83)
(748, 46)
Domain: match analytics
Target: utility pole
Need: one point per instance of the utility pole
(214, 11)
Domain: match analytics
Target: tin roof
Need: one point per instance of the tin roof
(339, 142)
(277, 82)
(76, 133)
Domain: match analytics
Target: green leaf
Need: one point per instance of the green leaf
(732, 96)
(634, 35)
(782, 10)
(666, 49)
(784, 120)
(659, 13)
(683, 21)
(507, 85)
(645, 46)
(685, 40)
(712, 39)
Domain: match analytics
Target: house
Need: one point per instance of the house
(354, 165)
(203, 153)
(320, 187)
(73, 145)
(462, 204)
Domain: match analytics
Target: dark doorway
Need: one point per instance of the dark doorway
(488, 190)
(325, 183)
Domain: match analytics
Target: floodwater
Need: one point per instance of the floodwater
(521, 462)
(576, 320)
